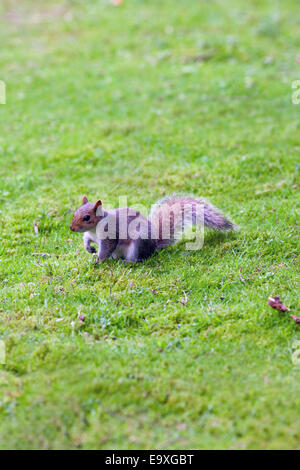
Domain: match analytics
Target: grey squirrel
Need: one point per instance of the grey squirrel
(173, 212)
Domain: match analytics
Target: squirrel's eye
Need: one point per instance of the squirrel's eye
(86, 218)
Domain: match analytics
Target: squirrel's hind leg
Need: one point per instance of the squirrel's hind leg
(139, 250)
(135, 252)
(106, 249)
(131, 252)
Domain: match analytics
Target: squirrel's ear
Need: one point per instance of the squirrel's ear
(84, 200)
(98, 208)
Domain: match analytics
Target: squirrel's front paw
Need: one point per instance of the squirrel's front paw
(91, 249)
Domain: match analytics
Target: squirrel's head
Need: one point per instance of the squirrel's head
(87, 216)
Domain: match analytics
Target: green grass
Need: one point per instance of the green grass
(149, 98)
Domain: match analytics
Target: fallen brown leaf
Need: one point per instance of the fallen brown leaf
(81, 317)
(275, 302)
(295, 318)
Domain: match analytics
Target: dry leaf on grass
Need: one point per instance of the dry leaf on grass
(81, 317)
(41, 254)
(275, 302)
(295, 318)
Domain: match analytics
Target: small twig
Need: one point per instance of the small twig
(46, 254)
(166, 444)
(184, 300)
(207, 331)
(41, 254)
(240, 276)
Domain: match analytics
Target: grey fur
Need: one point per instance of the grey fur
(179, 212)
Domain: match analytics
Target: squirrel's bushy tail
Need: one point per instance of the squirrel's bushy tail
(173, 214)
